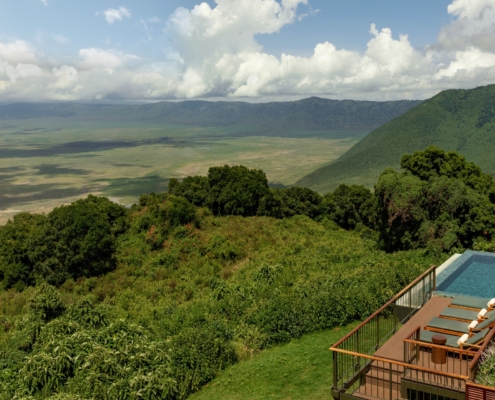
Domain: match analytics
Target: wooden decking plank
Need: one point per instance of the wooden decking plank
(394, 348)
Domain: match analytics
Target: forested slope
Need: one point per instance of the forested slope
(457, 120)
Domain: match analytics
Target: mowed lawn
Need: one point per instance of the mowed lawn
(300, 369)
(43, 167)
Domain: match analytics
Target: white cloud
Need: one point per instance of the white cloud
(213, 53)
(113, 14)
(16, 52)
(45, 2)
(312, 12)
(474, 26)
(19, 71)
(95, 58)
(60, 39)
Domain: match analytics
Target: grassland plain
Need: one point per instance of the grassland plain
(300, 369)
(48, 162)
(454, 120)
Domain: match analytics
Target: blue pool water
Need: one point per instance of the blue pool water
(472, 274)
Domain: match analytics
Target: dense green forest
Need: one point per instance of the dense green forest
(455, 120)
(331, 118)
(103, 302)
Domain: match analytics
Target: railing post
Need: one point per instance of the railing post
(378, 332)
(390, 378)
(423, 300)
(410, 301)
(335, 372)
(357, 342)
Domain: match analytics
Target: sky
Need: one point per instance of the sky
(243, 50)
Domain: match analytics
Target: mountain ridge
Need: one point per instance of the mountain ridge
(352, 118)
(454, 120)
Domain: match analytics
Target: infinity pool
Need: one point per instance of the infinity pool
(472, 274)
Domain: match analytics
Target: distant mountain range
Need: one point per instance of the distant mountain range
(313, 116)
(459, 120)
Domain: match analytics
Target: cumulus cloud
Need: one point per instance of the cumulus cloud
(113, 14)
(222, 58)
(213, 53)
(95, 58)
(16, 52)
(474, 26)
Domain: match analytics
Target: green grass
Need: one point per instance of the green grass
(301, 369)
(454, 120)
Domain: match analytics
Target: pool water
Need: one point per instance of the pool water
(472, 274)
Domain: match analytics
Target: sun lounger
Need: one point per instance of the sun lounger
(463, 314)
(452, 341)
(459, 314)
(450, 326)
(487, 323)
(472, 303)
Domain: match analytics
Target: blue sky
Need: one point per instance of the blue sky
(256, 50)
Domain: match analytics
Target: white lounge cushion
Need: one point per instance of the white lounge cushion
(463, 339)
(491, 303)
(473, 324)
(482, 313)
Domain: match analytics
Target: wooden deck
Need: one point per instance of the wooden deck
(394, 347)
(384, 381)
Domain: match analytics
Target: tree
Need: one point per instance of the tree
(16, 268)
(351, 205)
(77, 240)
(283, 203)
(236, 190)
(434, 162)
(194, 188)
(442, 212)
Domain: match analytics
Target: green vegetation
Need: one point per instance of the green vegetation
(439, 201)
(301, 369)
(72, 241)
(454, 120)
(155, 301)
(191, 293)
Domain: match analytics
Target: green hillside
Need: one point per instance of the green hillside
(341, 118)
(458, 120)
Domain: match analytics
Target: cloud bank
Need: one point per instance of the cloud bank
(215, 54)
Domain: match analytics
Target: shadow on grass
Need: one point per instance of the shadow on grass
(21, 194)
(54, 169)
(136, 186)
(84, 146)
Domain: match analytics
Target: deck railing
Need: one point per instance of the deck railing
(372, 333)
(475, 362)
(389, 379)
(457, 361)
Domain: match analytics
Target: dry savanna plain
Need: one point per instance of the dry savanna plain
(48, 162)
